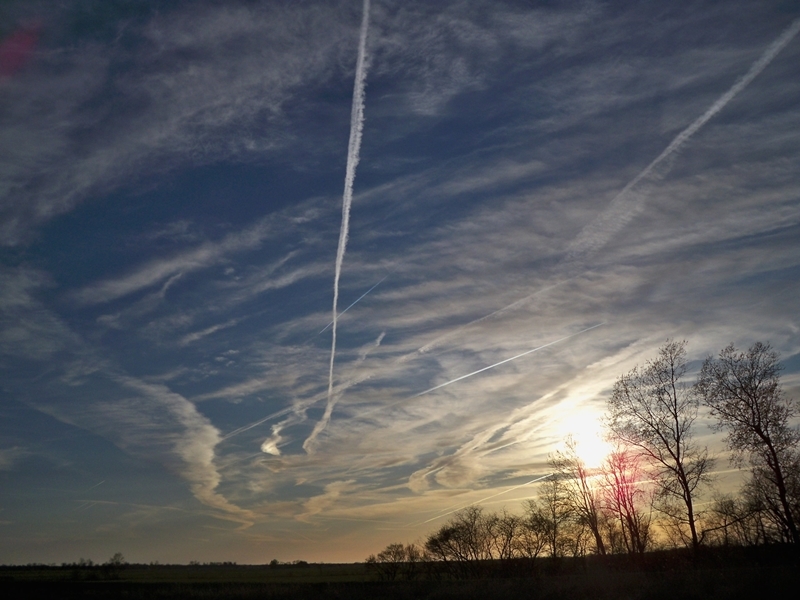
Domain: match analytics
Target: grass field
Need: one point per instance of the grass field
(714, 575)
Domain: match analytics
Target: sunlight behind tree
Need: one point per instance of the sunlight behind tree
(586, 430)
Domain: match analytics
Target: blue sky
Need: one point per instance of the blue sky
(602, 175)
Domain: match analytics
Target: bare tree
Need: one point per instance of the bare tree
(625, 497)
(581, 496)
(506, 530)
(653, 410)
(414, 556)
(736, 521)
(556, 516)
(464, 542)
(388, 562)
(743, 391)
(534, 534)
(771, 528)
(395, 560)
(114, 565)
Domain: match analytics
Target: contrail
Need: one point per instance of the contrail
(600, 230)
(326, 417)
(502, 362)
(353, 149)
(511, 489)
(619, 212)
(354, 303)
(360, 379)
(274, 415)
(516, 304)
(622, 208)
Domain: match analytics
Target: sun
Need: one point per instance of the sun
(587, 433)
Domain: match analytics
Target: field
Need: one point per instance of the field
(718, 574)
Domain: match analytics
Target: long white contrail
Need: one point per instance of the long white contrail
(502, 362)
(353, 149)
(622, 208)
(601, 229)
(354, 303)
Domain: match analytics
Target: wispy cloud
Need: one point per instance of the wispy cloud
(9, 457)
(198, 335)
(198, 74)
(143, 418)
(194, 443)
(27, 328)
(201, 257)
(497, 135)
(627, 203)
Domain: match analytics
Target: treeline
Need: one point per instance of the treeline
(645, 494)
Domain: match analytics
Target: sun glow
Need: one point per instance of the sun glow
(587, 433)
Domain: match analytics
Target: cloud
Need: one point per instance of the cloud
(27, 328)
(193, 442)
(490, 146)
(198, 335)
(270, 445)
(201, 257)
(9, 457)
(317, 504)
(195, 87)
(437, 53)
(145, 419)
(150, 421)
(628, 202)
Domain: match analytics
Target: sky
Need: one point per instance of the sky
(542, 194)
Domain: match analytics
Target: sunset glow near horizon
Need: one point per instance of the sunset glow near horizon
(544, 194)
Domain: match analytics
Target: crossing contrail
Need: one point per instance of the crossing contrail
(326, 417)
(354, 303)
(593, 237)
(249, 426)
(502, 362)
(361, 378)
(353, 149)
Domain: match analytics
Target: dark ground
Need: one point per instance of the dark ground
(746, 573)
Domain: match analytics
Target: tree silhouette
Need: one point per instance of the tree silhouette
(582, 498)
(743, 391)
(653, 410)
(626, 499)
